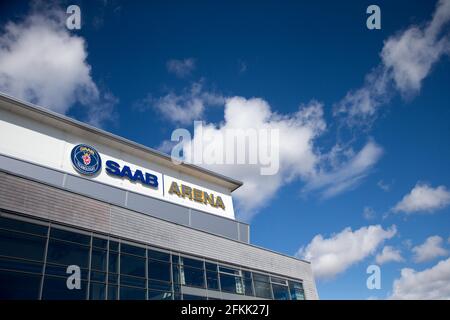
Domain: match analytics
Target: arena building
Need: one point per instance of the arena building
(135, 224)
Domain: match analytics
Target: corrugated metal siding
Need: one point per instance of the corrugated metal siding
(28, 197)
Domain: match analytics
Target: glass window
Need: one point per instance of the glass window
(158, 255)
(175, 259)
(280, 292)
(262, 286)
(55, 288)
(248, 286)
(128, 293)
(296, 290)
(262, 289)
(20, 265)
(61, 271)
(67, 253)
(70, 236)
(160, 295)
(176, 274)
(132, 281)
(113, 262)
(15, 285)
(260, 277)
(98, 276)
(278, 280)
(192, 277)
(112, 292)
(21, 245)
(212, 280)
(295, 285)
(98, 259)
(113, 245)
(138, 251)
(211, 266)
(17, 225)
(159, 285)
(187, 262)
(113, 278)
(231, 283)
(97, 291)
(158, 270)
(99, 242)
(132, 265)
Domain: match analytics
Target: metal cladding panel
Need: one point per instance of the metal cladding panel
(95, 190)
(244, 233)
(215, 224)
(17, 194)
(35, 199)
(37, 172)
(157, 208)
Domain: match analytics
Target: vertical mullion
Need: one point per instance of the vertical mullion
(107, 270)
(89, 268)
(41, 288)
(119, 259)
(146, 274)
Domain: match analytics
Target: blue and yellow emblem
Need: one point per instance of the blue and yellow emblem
(85, 159)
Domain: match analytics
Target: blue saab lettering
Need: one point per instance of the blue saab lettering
(147, 179)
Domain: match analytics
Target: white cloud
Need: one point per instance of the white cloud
(297, 132)
(423, 198)
(369, 213)
(384, 186)
(430, 249)
(407, 59)
(429, 284)
(181, 68)
(186, 107)
(43, 63)
(389, 254)
(348, 175)
(411, 54)
(298, 159)
(332, 256)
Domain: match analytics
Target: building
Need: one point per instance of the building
(136, 225)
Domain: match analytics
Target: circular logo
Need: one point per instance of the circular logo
(85, 159)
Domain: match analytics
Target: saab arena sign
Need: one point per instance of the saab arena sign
(184, 191)
(148, 179)
(87, 161)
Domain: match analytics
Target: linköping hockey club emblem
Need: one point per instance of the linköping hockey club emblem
(85, 159)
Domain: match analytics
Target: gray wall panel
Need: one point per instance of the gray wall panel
(244, 232)
(35, 172)
(95, 190)
(158, 208)
(214, 224)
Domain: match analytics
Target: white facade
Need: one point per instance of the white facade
(31, 140)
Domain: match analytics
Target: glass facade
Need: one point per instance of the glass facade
(35, 257)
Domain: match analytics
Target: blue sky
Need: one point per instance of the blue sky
(378, 147)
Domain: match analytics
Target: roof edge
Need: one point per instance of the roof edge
(84, 126)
